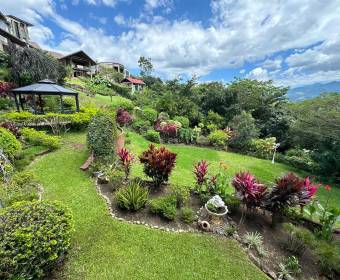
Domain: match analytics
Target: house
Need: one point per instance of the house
(118, 67)
(81, 63)
(135, 84)
(13, 31)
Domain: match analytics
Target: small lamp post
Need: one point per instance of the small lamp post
(275, 148)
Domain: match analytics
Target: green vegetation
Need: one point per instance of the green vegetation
(104, 248)
(40, 138)
(164, 206)
(9, 144)
(132, 197)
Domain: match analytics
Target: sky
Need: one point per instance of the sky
(291, 42)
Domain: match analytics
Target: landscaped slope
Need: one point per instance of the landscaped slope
(107, 249)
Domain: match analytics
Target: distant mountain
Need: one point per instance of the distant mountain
(310, 91)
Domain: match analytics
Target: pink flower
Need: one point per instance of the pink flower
(328, 188)
(311, 189)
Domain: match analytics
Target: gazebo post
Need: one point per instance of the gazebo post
(21, 104)
(61, 103)
(77, 102)
(34, 104)
(16, 102)
(41, 104)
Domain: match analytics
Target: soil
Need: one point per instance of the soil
(273, 237)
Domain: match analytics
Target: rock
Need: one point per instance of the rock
(138, 222)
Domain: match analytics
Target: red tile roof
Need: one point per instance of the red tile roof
(134, 81)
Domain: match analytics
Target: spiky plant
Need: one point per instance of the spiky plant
(132, 197)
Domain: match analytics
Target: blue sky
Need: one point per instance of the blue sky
(291, 42)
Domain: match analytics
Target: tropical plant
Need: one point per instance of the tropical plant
(263, 148)
(201, 172)
(158, 164)
(35, 237)
(218, 138)
(12, 128)
(132, 197)
(123, 117)
(126, 159)
(181, 193)
(184, 121)
(8, 143)
(248, 189)
(187, 135)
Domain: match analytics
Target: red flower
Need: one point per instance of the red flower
(328, 188)
(311, 189)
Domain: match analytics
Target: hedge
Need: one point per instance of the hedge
(8, 143)
(40, 138)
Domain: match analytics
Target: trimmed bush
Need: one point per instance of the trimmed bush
(123, 117)
(164, 206)
(153, 136)
(8, 143)
(141, 126)
(188, 215)
(40, 138)
(203, 141)
(133, 197)
(101, 135)
(218, 138)
(158, 164)
(149, 114)
(23, 186)
(35, 237)
(181, 193)
(183, 120)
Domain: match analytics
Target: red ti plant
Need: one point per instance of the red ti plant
(201, 172)
(126, 158)
(123, 117)
(248, 189)
(158, 164)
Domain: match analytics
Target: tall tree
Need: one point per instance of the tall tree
(145, 66)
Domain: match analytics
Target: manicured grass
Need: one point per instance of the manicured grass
(107, 249)
(264, 170)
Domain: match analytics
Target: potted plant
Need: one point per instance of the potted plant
(216, 206)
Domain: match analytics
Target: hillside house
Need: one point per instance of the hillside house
(118, 67)
(13, 31)
(81, 63)
(135, 84)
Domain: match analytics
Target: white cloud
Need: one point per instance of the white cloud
(166, 5)
(258, 74)
(239, 32)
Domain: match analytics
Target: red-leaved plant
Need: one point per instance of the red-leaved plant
(248, 189)
(126, 159)
(201, 172)
(158, 164)
(288, 191)
(12, 128)
(123, 117)
(5, 87)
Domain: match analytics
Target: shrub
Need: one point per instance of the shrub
(168, 130)
(301, 159)
(12, 128)
(123, 103)
(163, 116)
(8, 143)
(187, 135)
(164, 206)
(123, 117)
(149, 114)
(248, 189)
(126, 159)
(231, 201)
(158, 164)
(153, 136)
(181, 193)
(6, 104)
(214, 121)
(244, 130)
(35, 237)
(184, 121)
(254, 240)
(132, 197)
(218, 138)
(263, 148)
(40, 138)
(203, 141)
(201, 172)
(101, 135)
(289, 191)
(141, 126)
(23, 186)
(188, 215)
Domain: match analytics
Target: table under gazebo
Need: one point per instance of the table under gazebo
(39, 89)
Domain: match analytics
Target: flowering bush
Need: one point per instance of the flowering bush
(158, 164)
(248, 189)
(126, 158)
(123, 117)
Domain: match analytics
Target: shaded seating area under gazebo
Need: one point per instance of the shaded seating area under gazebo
(35, 93)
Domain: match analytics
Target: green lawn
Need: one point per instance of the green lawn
(104, 248)
(264, 170)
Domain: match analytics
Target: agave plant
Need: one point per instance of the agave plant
(248, 189)
(126, 158)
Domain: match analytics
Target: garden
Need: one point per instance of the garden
(180, 181)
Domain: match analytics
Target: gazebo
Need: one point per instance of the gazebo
(39, 89)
